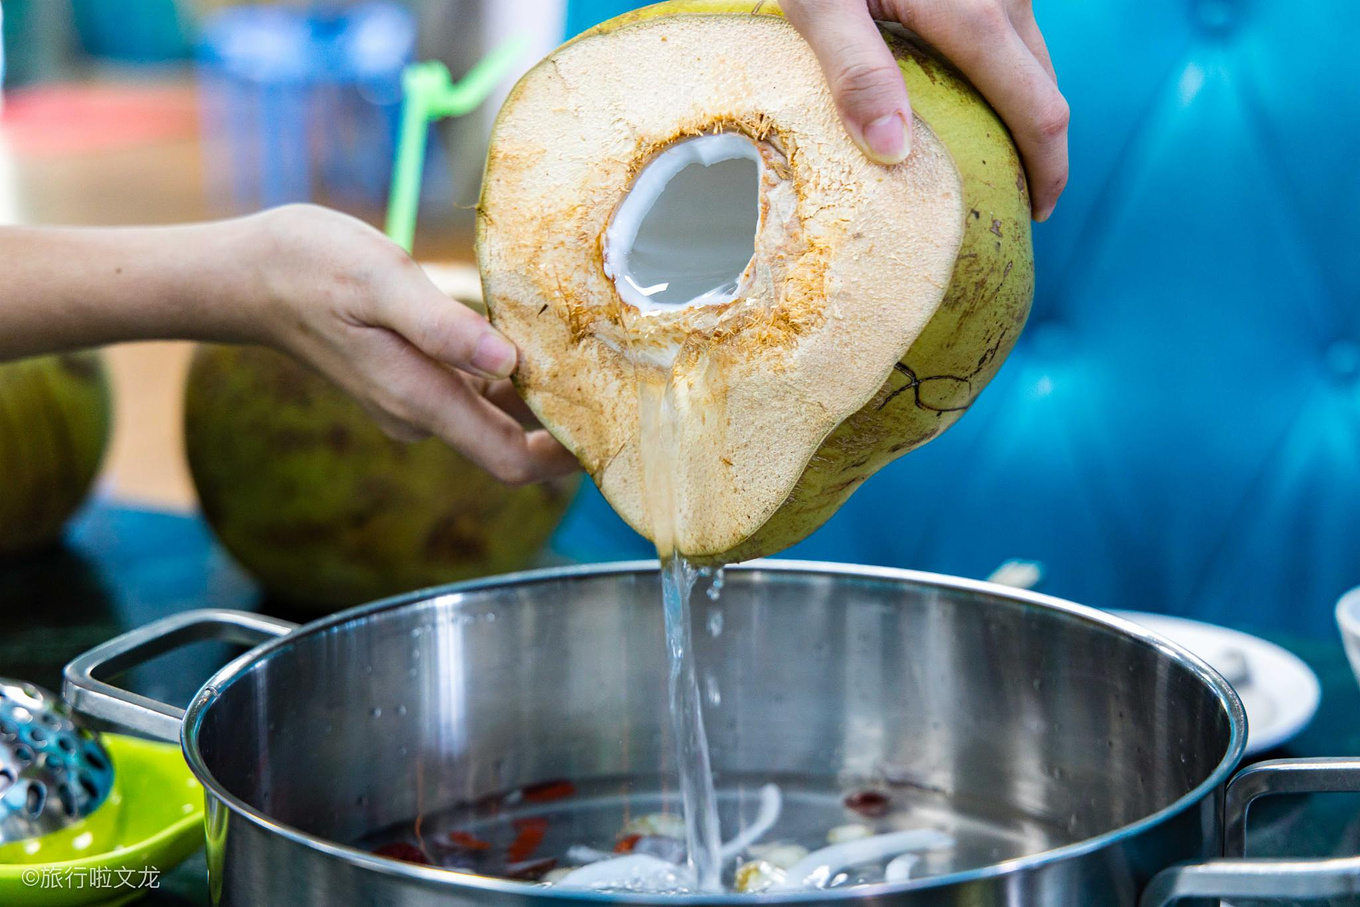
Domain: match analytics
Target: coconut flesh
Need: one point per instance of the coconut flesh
(685, 233)
(673, 211)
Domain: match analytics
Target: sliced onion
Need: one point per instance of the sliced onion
(899, 869)
(771, 802)
(757, 876)
(669, 849)
(780, 855)
(668, 824)
(819, 867)
(633, 872)
(843, 834)
(583, 855)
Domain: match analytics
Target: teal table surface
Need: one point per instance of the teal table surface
(124, 567)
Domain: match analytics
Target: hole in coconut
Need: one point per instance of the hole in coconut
(685, 232)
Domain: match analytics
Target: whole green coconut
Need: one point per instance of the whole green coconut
(325, 510)
(54, 425)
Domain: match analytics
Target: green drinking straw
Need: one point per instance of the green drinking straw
(429, 93)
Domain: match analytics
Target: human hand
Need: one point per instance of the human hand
(340, 296)
(996, 43)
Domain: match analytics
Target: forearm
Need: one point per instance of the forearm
(64, 288)
(319, 285)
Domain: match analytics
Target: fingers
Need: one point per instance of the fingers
(396, 429)
(995, 42)
(1022, 19)
(420, 395)
(442, 328)
(551, 459)
(864, 78)
(504, 396)
(421, 390)
(1038, 116)
(364, 314)
(977, 35)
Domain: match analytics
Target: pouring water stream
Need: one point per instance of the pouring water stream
(694, 765)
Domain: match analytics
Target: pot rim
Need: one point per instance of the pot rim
(413, 872)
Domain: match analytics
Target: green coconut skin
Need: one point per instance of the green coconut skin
(325, 510)
(977, 323)
(54, 427)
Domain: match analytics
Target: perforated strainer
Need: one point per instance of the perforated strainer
(52, 773)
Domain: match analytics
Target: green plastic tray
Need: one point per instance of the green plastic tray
(153, 820)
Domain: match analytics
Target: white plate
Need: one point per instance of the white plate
(1279, 691)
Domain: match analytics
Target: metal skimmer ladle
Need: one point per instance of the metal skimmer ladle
(52, 773)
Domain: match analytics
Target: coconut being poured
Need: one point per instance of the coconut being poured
(733, 318)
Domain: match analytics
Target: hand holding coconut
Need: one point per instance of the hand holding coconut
(319, 285)
(357, 308)
(996, 43)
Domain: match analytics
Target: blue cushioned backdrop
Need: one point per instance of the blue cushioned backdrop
(1179, 427)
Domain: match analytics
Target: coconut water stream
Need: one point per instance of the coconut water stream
(695, 768)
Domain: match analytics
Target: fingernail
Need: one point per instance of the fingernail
(887, 140)
(494, 356)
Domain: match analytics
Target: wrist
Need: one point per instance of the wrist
(191, 282)
(237, 281)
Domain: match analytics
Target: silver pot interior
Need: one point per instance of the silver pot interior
(982, 707)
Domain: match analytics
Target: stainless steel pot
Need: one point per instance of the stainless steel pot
(1056, 715)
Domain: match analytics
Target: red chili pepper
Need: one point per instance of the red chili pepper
(627, 843)
(531, 870)
(468, 841)
(548, 791)
(530, 822)
(530, 831)
(869, 803)
(400, 850)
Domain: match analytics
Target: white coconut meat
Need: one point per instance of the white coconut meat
(685, 233)
(676, 200)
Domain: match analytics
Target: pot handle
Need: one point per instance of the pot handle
(1233, 877)
(98, 699)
